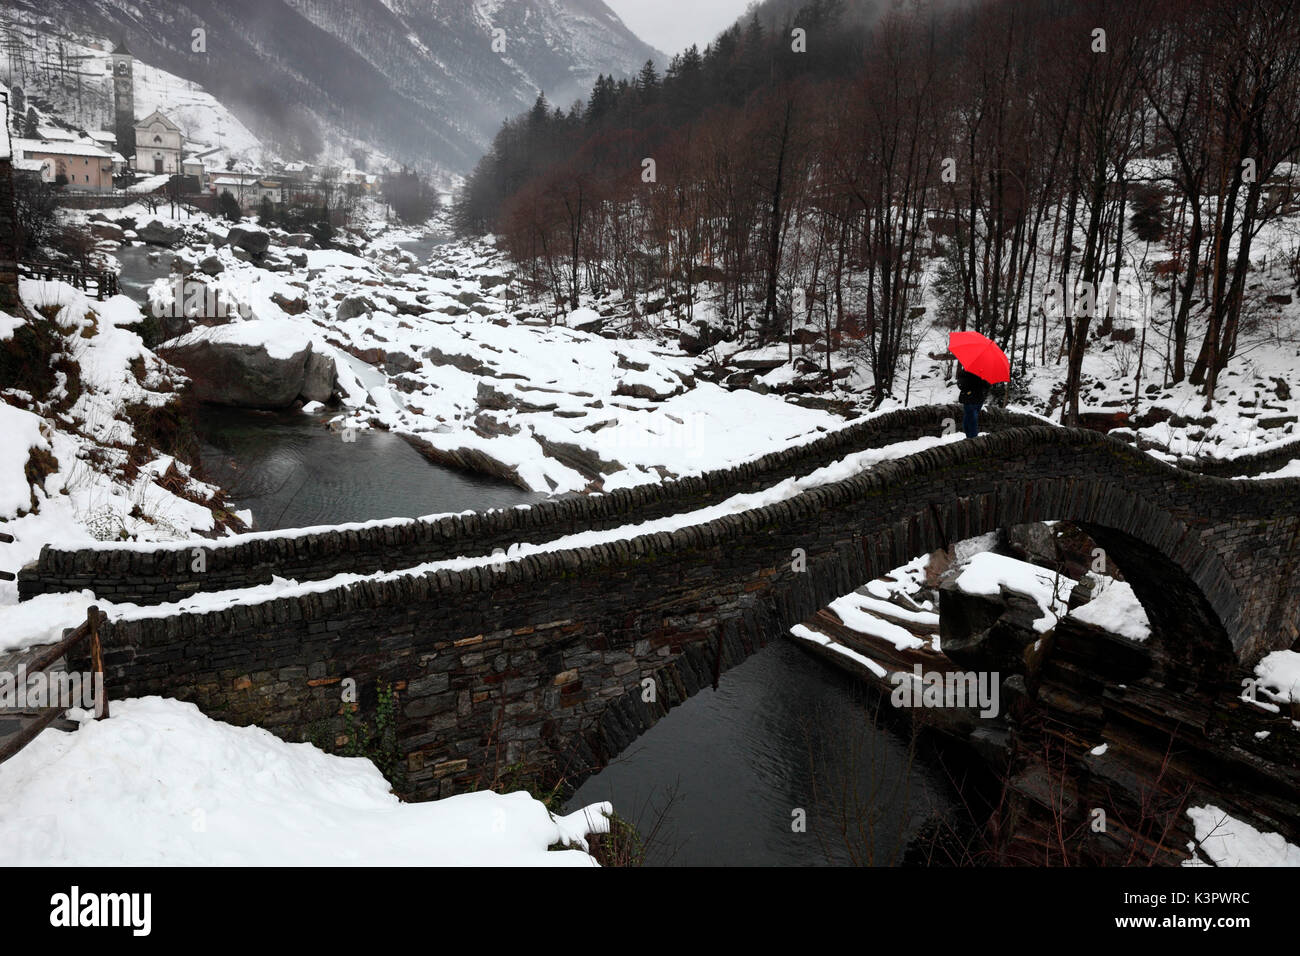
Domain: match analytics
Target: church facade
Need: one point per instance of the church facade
(158, 145)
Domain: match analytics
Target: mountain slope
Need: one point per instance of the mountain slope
(417, 79)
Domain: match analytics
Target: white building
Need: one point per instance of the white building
(157, 145)
(248, 189)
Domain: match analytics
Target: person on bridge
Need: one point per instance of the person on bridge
(974, 390)
(982, 364)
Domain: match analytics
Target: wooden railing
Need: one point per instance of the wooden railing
(6, 575)
(104, 283)
(88, 630)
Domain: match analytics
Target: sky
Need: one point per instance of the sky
(673, 25)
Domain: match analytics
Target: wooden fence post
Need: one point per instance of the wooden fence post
(97, 662)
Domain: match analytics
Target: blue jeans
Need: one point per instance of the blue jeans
(971, 420)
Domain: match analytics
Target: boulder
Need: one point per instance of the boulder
(320, 378)
(1103, 421)
(1034, 542)
(353, 306)
(466, 363)
(646, 390)
(211, 265)
(154, 233)
(107, 230)
(292, 306)
(399, 361)
(701, 338)
(986, 631)
(251, 365)
(254, 241)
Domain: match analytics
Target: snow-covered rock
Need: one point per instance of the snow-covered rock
(259, 364)
(251, 239)
(154, 233)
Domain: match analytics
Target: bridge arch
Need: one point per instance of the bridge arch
(1171, 534)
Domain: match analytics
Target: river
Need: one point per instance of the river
(754, 773)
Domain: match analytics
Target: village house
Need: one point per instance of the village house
(248, 189)
(81, 163)
(192, 166)
(157, 145)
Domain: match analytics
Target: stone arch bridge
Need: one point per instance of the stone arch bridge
(547, 660)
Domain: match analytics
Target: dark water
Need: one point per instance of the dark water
(423, 247)
(294, 473)
(138, 273)
(720, 779)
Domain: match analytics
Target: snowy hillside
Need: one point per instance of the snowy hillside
(416, 81)
(85, 99)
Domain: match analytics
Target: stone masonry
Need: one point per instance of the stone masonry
(557, 661)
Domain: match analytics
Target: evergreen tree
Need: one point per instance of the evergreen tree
(228, 206)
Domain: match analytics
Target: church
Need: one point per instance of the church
(158, 143)
(154, 145)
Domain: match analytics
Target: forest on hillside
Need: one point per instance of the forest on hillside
(1056, 159)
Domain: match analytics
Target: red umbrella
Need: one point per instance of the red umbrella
(980, 355)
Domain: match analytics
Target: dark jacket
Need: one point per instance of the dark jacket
(973, 388)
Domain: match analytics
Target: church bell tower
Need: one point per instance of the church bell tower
(124, 101)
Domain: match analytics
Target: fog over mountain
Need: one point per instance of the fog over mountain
(417, 79)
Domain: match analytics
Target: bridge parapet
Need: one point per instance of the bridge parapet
(160, 573)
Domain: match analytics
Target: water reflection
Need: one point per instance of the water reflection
(293, 473)
(724, 775)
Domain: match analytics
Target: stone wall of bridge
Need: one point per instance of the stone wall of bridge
(156, 574)
(542, 661)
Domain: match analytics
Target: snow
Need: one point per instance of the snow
(9, 324)
(1279, 675)
(22, 432)
(1115, 609)
(807, 634)
(987, 573)
(175, 788)
(42, 619)
(1290, 470)
(280, 340)
(858, 612)
(1230, 842)
(582, 316)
